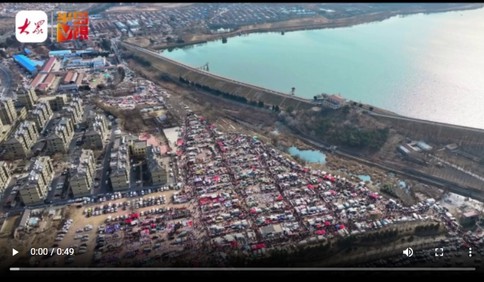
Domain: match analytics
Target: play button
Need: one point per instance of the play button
(14, 252)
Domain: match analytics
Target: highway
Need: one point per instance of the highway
(157, 55)
(103, 187)
(114, 47)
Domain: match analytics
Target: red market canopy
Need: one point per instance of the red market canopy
(374, 195)
(258, 246)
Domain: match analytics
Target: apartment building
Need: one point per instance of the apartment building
(4, 130)
(41, 113)
(35, 189)
(20, 143)
(74, 110)
(21, 113)
(157, 170)
(120, 167)
(61, 136)
(4, 176)
(81, 180)
(56, 102)
(138, 148)
(8, 113)
(27, 98)
(97, 132)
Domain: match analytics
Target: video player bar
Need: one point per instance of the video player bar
(242, 269)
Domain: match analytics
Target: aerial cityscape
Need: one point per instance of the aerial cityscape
(212, 135)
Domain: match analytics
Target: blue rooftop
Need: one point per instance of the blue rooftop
(25, 63)
(38, 63)
(59, 52)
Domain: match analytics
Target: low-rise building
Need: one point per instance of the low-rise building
(271, 230)
(4, 176)
(52, 64)
(26, 63)
(20, 144)
(60, 138)
(97, 132)
(71, 82)
(48, 83)
(120, 168)
(35, 190)
(81, 180)
(334, 102)
(41, 114)
(85, 63)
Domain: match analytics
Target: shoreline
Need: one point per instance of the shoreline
(377, 112)
(304, 24)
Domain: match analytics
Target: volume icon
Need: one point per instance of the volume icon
(408, 252)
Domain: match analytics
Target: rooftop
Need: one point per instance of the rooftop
(25, 62)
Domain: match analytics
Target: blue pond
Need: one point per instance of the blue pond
(311, 156)
(364, 178)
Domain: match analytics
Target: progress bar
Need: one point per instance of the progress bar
(242, 269)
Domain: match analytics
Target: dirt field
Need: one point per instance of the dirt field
(139, 40)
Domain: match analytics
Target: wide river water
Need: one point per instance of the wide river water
(423, 66)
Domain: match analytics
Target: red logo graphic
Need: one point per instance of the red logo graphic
(38, 27)
(23, 29)
(31, 26)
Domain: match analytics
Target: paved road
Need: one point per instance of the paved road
(103, 187)
(478, 130)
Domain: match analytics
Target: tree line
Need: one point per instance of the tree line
(237, 98)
